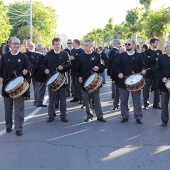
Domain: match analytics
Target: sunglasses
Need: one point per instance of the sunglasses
(127, 44)
(69, 43)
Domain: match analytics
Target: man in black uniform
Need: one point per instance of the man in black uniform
(163, 66)
(13, 64)
(89, 62)
(70, 51)
(30, 53)
(113, 53)
(57, 61)
(104, 61)
(77, 86)
(150, 59)
(126, 64)
(39, 76)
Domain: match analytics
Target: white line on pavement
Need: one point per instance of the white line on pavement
(29, 116)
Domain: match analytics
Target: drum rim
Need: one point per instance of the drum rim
(87, 79)
(132, 75)
(17, 86)
(47, 84)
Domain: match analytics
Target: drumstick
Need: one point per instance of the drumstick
(91, 70)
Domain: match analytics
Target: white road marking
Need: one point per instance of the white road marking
(29, 116)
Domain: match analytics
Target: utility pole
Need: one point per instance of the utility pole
(31, 20)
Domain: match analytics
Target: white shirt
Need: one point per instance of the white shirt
(130, 53)
(57, 52)
(15, 53)
(116, 47)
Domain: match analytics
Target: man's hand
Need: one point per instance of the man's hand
(72, 58)
(47, 71)
(164, 79)
(120, 75)
(24, 72)
(143, 72)
(60, 67)
(80, 79)
(1, 80)
(96, 68)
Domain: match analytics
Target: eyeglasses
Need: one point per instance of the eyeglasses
(69, 43)
(15, 43)
(127, 44)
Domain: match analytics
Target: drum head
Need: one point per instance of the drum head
(13, 83)
(168, 84)
(89, 80)
(54, 77)
(133, 79)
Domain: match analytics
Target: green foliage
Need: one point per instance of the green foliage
(4, 23)
(43, 18)
(157, 23)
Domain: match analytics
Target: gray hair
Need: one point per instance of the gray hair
(14, 38)
(116, 41)
(88, 41)
(39, 47)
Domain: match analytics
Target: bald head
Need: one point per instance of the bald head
(130, 45)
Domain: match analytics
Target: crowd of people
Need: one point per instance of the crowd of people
(71, 70)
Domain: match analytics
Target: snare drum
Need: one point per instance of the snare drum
(17, 87)
(134, 82)
(56, 81)
(93, 83)
(167, 84)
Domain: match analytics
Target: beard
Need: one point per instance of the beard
(128, 49)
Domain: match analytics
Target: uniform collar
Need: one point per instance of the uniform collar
(15, 53)
(130, 53)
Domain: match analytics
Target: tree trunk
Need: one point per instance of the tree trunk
(161, 43)
(134, 37)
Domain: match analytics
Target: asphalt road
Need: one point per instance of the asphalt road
(77, 145)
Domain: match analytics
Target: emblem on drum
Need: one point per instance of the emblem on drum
(19, 60)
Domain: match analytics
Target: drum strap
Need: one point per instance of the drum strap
(134, 70)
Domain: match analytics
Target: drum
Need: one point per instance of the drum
(167, 84)
(93, 83)
(134, 82)
(17, 87)
(56, 81)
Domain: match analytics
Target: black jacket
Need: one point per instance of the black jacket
(10, 63)
(104, 59)
(128, 65)
(38, 69)
(53, 60)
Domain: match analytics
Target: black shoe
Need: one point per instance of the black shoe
(145, 108)
(88, 119)
(27, 98)
(19, 133)
(157, 107)
(50, 119)
(115, 107)
(139, 121)
(8, 130)
(64, 119)
(164, 124)
(74, 100)
(124, 120)
(41, 105)
(56, 107)
(101, 119)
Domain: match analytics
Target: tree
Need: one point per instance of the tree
(146, 4)
(4, 23)
(158, 24)
(44, 20)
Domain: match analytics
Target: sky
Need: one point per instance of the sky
(78, 17)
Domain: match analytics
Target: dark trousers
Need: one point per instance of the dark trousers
(136, 97)
(87, 99)
(148, 83)
(116, 96)
(40, 88)
(61, 95)
(164, 104)
(77, 87)
(19, 112)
